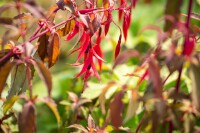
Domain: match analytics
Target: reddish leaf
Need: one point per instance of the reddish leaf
(189, 46)
(44, 74)
(95, 71)
(53, 49)
(116, 107)
(118, 47)
(134, 2)
(108, 21)
(84, 46)
(126, 23)
(143, 77)
(27, 119)
(86, 66)
(123, 57)
(73, 32)
(122, 3)
(4, 72)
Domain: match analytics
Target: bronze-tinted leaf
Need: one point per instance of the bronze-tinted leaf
(6, 20)
(67, 5)
(42, 48)
(154, 77)
(4, 72)
(27, 119)
(69, 26)
(53, 49)
(116, 108)
(44, 74)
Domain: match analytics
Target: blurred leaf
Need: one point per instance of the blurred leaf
(4, 72)
(123, 57)
(6, 20)
(91, 93)
(189, 123)
(53, 106)
(154, 76)
(53, 49)
(52, 12)
(44, 74)
(102, 95)
(80, 127)
(133, 105)
(67, 5)
(194, 74)
(27, 119)
(9, 103)
(118, 46)
(172, 11)
(91, 123)
(116, 108)
(18, 81)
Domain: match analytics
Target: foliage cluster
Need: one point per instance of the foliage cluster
(151, 86)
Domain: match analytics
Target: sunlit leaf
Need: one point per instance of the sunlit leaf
(80, 127)
(91, 123)
(53, 49)
(9, 103)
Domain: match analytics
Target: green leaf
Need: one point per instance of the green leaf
(18, 81)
